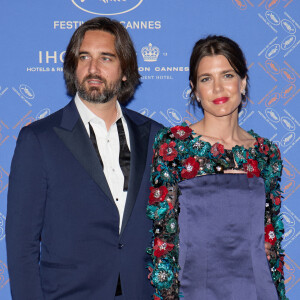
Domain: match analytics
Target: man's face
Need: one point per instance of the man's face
(98, 73)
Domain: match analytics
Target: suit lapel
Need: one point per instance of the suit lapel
(139, 138)
(73, 134)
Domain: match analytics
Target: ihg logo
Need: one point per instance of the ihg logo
(107, 7)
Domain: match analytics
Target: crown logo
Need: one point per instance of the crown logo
(150, 53)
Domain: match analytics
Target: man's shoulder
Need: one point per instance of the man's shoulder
(44, 124)
(138, 117)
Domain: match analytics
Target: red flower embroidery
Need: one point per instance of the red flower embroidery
(181, 132)
(276, 200)
(161, 247)
(263, 148)
(217, 150)
(270, 236)
(191, 167)
(156, 298)
(167, 151)
(157, 194)
(280, 267)
(251, 167)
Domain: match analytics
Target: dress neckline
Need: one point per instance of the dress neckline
(251, 132)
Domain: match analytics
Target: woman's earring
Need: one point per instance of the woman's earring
(198, 99)
(243, 92)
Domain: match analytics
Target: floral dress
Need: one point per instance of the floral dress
(180, 155)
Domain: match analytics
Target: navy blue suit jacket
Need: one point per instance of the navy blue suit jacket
(62, 229)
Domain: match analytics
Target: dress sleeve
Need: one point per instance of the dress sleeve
(163, 209)
(273, 221)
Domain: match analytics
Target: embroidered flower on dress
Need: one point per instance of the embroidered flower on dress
(181, 132)
(167, 151)
(251, 167)
(191, 167)
(157, 194)
(217, 150)
(270, 236)
(161, 247)
(172, 226)
(162, 276)
(262, 146)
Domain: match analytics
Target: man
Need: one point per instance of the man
(76, 220)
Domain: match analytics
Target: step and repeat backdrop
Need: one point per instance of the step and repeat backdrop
(34, 36)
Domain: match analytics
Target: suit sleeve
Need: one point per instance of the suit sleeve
(25, 214)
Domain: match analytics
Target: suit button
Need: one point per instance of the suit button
(120, 246)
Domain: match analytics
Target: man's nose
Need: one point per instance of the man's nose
(94, 66)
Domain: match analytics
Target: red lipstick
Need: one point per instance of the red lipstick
(221, 100)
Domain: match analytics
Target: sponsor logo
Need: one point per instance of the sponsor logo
(288, 26)
(288, 75)
(272, 66)
(186, 93)
(287, 139)
(144, 112)
(2, 91)
(288, 219)
(3, 179)
(291, 272)
(43, 114)
(288, 124)
(240, 4)
(272, 115)
(2, 227)
(271, 4)
(288, 187)
(150, 53)
(27, 122)
(174, 115)
(272, 17)
(107, 7)
(242, 114)
(4, 278)
(287, 172)
(289, 233)
(288, 42)
(288, 90)
(272, 51)
(272, 99)
(26, 91)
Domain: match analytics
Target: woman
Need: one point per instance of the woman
(211, 245)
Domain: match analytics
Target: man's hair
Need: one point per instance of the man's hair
(218, 45)
(124, 49)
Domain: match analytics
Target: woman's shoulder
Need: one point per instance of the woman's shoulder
(266, 146)
(179, 132)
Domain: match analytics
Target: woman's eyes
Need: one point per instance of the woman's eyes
(229, 75)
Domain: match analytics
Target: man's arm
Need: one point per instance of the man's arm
(25, 214)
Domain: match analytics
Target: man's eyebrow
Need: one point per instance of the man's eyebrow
(108, 54)
(101, 53)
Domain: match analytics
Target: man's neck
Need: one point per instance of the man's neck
(106, 111)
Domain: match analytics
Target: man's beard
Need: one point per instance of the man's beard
(94, 94)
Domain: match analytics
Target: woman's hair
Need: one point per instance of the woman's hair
(124, 49)
(217, 45)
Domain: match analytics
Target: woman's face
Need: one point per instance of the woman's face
(218, 87)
